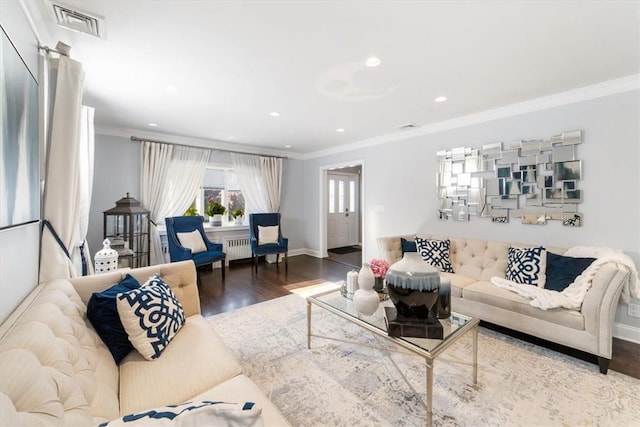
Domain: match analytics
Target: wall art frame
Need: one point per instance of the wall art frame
(19, 144)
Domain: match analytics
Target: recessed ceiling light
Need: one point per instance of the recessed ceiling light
(440, 99)
(274, 114)
(373, 61)
(171, 89)
(153, 125)
(231, 137)
(340, 130)
(287, 146)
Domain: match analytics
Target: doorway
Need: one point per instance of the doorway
(343, 213)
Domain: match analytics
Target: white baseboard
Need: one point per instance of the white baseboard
(626, 332)
(312, 253)
(296, 252)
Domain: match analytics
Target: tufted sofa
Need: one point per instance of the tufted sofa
(476, 261)
(55, 370)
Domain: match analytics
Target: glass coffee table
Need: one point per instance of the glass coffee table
(454, 327)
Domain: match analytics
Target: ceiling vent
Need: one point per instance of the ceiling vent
(79, 21)
(407, 126)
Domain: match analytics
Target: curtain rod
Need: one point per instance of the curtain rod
(61, 49)
(137, 139)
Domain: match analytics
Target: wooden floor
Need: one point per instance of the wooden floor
(243, 287)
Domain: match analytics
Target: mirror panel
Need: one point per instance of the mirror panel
(535, 181)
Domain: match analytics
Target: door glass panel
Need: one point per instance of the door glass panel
(341, 196)
(332, 196)
(352, 196)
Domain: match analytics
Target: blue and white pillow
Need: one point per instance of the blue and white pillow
(151, 315)
(436, 253)
(527, 265)
(195, 414)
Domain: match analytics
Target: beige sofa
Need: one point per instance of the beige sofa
(55, 370)
(476, 261)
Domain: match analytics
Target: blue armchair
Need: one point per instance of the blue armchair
(257, 250)
(177, 252)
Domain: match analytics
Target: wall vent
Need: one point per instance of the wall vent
(79, 21)
(407, 126)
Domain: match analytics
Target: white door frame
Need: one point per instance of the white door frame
(323, 202)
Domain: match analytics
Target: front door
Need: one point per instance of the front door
(343, 210)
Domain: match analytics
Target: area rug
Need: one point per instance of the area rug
(340, 384)
(345, 250)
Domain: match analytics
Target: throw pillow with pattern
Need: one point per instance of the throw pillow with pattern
(195, 414)
(527, 265)
(151, 315)
(435, 252)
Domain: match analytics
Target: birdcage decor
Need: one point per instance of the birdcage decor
(129, 222)
(106, 259)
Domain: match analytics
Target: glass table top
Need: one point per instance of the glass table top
(452, 327)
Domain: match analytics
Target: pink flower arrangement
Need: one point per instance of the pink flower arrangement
(379, 267)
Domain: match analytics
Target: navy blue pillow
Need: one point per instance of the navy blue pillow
(563, 270)
(408, 245)
(102, 311)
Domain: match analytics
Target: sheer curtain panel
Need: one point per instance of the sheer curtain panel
(171, 176)
(271, 168)
(81, 256)
(248, 169)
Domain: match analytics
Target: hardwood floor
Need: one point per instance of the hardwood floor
(243, 287)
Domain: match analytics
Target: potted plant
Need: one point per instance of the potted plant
(379, 267)
(192, 211)
(215, 211)
(238, 215)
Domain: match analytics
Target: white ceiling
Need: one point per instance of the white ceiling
(233, 63)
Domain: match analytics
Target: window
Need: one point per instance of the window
(222, 186)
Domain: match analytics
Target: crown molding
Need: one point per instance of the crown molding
(599, 90)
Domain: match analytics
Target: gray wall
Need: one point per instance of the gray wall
(116, 173)
(19, 246)
(292, 203)
(400, 193)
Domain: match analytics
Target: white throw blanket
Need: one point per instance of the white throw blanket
(573, 295)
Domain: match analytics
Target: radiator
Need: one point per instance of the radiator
(237, 248)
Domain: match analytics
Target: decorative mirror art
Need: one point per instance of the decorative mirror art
(531, 181)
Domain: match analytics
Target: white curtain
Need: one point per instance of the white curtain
(248, 169)
(171, 176)
(271, 168)
(63, 201)
(81, 256)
